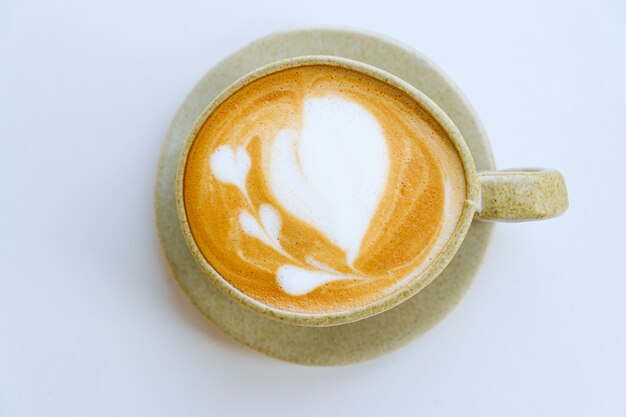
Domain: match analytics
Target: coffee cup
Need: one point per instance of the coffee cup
(320, 190)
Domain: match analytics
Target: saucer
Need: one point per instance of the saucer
(348, 343)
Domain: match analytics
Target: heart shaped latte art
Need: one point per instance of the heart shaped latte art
(332, 173)
(231, 166)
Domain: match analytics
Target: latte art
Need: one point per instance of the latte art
(312, 172)
(318, 189)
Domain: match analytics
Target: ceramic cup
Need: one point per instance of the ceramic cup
(508, 195)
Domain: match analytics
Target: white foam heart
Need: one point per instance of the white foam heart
(333, 173)
(268, 231)
(231, 165)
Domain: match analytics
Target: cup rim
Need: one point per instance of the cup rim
(415, 284)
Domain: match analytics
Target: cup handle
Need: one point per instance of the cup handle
(518, 195)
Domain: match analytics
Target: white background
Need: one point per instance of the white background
(91, 323)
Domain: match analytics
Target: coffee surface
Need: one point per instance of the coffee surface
(320, 189)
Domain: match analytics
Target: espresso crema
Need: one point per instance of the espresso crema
(320, 189)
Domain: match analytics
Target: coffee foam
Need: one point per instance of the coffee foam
(318, 188)
(312, 172)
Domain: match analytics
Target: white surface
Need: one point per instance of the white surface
(95, 326)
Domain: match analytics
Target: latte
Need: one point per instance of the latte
(320, 189)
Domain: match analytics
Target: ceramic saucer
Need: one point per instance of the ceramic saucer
(349, 343)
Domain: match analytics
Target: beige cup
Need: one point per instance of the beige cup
(509, 195)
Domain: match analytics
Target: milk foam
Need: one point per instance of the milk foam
(299, 281)
(333, 173)
(231, 166)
